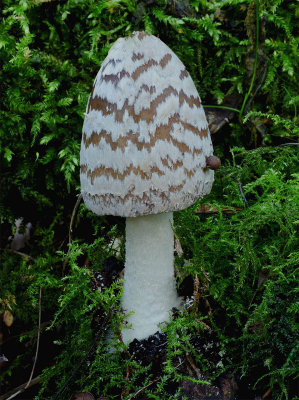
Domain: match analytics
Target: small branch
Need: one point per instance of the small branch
(150, 383)
(73, 217)
(242, 193)
(71, 229)
(38, 336)
(196, 294)
(267, 394)
(143, 388)
(288, 144)
(255, 60)
(42, 327)
(240, 189)
(18, 390)
(192, 363)
(26, 256)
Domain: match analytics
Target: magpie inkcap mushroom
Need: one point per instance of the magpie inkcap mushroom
(144, 148)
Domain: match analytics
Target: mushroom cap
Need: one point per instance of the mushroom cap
(145, 135)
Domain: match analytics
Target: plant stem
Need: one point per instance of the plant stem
(255, 62)
(223, 108)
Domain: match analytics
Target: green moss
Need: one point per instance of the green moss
(245, 261)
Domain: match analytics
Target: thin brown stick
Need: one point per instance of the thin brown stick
(196, 294)
(26, 256)
(242, 193)
(18, 390)
(38, 336)
(71, 230)
(143, 388)
(240, 189)
(73, 217)
(206, 278)
(267, 394)
(26, 333)
(149, 384)
(192, 363)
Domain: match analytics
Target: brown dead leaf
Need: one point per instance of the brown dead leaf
(8, 318)
(82, 396)
(263, 277)
(218, 117)
(207, 209)
(228, 386)
(3, 360)
(194, 391)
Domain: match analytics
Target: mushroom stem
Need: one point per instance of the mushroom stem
(149, 287)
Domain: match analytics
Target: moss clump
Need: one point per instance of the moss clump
(242, 258)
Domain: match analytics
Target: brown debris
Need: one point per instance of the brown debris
(207, 209)
(213, 162)
(141, 35)
(8, 318)
(195, 391)
(218, 117)
(82, 396)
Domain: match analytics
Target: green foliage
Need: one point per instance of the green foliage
(49, 65)
(251, 261)
(50, 52)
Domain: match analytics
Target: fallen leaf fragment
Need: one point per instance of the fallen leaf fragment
(192, 391)
(207, 209)
(228, 386)
(3, 360)
(82, 396)
(218, 117)
(7, 318)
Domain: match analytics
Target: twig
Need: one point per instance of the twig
(21, 254)
(71, 229)
(18, 390)
(102, 328)
(206, 278)
(255, 61)
(191, 362)
(288, 144)
(73, 217)
(242, 193)
(267, 394)
(196, 294)
(42, 327)
(143, 388)
(151, 383)
(38, 336)
(240, 189)
(258, 86)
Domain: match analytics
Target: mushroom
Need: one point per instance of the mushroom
(144, 152)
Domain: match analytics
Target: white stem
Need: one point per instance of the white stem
(149, 288)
